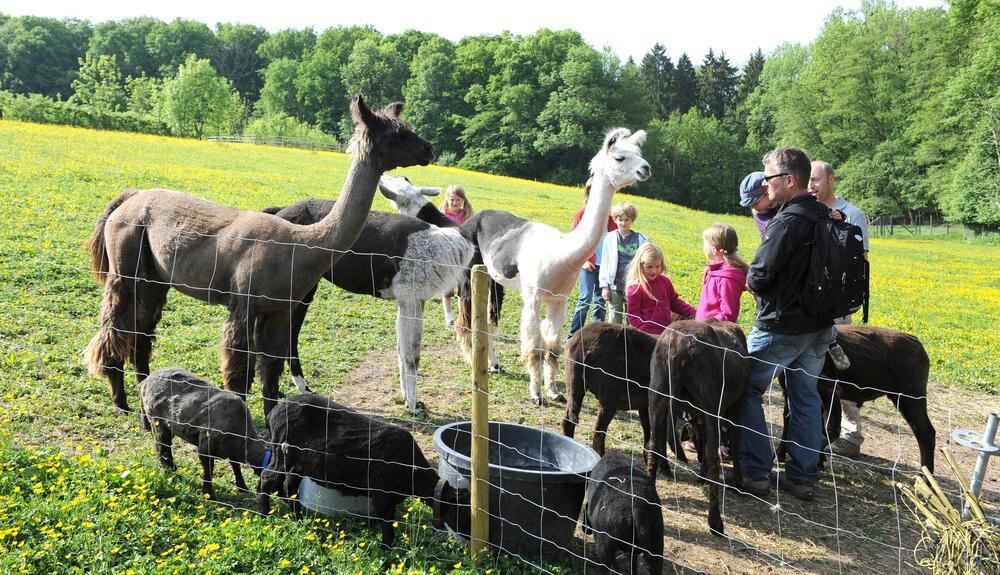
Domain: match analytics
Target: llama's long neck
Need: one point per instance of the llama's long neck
(342, 226)
(583, 240)
(433, 216)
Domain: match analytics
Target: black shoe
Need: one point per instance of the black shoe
(758, 487)
(799, 489)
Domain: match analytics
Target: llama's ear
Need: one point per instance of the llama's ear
(360, 111)
(429, 191)
(387, 192)
(638, 138)
(394, 110)
(614, 136)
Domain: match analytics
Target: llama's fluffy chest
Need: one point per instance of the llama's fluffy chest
(433, 263)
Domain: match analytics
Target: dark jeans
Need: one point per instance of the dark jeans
(589, 291)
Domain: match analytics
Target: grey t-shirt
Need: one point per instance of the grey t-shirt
(627, 246)
(855, 216)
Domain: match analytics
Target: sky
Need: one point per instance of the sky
(737, 28)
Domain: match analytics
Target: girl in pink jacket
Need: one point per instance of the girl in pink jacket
(725, 277)
(650, 296)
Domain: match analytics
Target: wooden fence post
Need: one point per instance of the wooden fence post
(480, 473)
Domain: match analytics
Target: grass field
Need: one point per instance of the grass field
(79, 488)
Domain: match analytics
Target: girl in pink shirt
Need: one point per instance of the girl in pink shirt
(650, 295)
(725, 277)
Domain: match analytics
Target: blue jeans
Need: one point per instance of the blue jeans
(801, 356)
(588, 292)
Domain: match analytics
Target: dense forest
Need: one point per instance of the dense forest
(905, 103)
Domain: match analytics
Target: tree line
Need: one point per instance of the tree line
(903, 102)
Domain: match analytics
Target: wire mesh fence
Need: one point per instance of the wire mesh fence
(857, 521)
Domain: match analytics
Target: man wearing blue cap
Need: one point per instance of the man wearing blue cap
(752, 196)
(784, 335)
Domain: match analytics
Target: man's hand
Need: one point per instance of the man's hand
(588, 267)
(836, 215)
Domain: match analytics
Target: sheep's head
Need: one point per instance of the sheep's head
(405, 197)
(620, 159)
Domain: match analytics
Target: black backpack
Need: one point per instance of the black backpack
(836, 283)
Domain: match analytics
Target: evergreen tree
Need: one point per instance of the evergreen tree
(716, 85)
(685, 94)
(750, 78)
(657, 78)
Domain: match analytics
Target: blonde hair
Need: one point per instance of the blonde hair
(723, 238)
(624, 209)
(460, 192)
(648, 253)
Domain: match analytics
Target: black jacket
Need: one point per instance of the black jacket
(778, 271)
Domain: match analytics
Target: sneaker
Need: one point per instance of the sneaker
(724, 453)
(799, 489)
(840, 359)
(845, 448)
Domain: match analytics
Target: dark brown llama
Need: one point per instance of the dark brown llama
(257, 265)
(700, 368)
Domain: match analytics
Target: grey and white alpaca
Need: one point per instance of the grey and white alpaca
(543, 263)
(396, 257)
(178, 403)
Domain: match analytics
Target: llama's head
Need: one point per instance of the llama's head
(620, 158)
(380, 138)
(405, 197)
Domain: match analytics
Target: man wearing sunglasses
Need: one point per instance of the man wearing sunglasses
(784, 336)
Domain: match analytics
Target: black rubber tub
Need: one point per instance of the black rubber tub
(537, 480)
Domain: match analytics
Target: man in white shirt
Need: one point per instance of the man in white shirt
(821, 185)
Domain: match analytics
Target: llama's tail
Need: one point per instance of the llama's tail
(98, 254)
(576, 363)
(463, 323)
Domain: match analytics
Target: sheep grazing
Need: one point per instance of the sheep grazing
(349, 452)
(216, 421)
(612, 362)
(622, 509)
(700, 368)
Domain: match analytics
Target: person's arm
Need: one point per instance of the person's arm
(771, 256)
(604, 276)
(730, 291)
(678, 305)
(633, 303)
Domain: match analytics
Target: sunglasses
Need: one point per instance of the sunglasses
(768, 178)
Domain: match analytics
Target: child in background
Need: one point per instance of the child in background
(650, 295)
(457, 208)
(617, 252)
(725, 277)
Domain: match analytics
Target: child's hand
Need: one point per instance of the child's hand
(589, 267)
(606, 293)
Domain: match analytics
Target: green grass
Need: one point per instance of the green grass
(65, 460)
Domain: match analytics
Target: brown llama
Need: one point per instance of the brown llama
(257, 265)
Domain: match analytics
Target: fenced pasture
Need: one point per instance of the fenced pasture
(80, 489)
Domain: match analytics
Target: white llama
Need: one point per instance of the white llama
(544, 263)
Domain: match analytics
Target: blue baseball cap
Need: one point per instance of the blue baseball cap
(751, 189)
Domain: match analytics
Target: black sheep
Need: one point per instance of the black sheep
(701, 368)
(350, 452)
(216, 421)
(622, 509)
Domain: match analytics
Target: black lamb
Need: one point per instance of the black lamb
(216, 421)
(623, 510)
(352, 453)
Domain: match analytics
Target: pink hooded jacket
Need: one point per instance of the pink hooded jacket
(720, 296)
